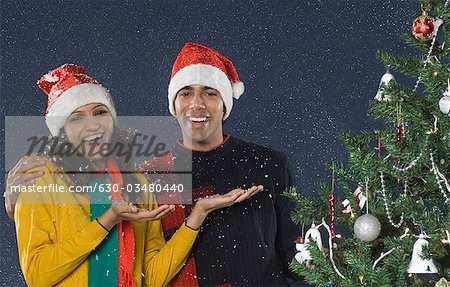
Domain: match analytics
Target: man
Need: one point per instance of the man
(253, 242)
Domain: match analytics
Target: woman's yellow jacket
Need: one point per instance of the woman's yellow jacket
(55, 236)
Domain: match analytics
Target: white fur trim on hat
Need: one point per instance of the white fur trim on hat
(238, 89)
(204, 75)
(72, 99)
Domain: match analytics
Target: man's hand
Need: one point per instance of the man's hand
(18, 176)
(123, 211)
(207, 204)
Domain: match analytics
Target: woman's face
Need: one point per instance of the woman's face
(90, 128)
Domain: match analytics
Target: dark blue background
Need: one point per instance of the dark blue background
(309, 66)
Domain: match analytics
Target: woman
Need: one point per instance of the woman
(96, 239)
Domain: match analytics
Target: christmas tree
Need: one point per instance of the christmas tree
(393, 194)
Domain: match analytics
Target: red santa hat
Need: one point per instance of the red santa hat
(200, 65)
(68, 88)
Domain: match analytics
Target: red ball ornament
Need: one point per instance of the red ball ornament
(424, 27)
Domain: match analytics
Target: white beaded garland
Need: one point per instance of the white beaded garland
(438, 174)
(411, 165)
(386, 205)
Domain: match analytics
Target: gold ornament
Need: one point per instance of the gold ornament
(442, 283)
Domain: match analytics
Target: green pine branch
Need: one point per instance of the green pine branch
(422, 208)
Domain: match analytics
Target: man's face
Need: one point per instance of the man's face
(199, 111)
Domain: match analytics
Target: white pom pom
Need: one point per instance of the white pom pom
(238, 90)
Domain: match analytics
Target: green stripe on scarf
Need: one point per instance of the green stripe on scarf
(103, 261)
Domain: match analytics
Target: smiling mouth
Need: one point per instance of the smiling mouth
(93, 140)
(198, 119)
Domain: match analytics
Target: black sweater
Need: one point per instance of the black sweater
(250, 243)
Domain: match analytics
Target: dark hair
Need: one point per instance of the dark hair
(81, 169)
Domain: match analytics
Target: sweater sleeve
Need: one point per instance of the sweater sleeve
(287, 231)
(162, 261)
(43, 260)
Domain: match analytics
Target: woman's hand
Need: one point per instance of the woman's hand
(207, 204)
(122, 211)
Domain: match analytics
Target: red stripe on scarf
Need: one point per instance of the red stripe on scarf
(126, 234)
(188, 274)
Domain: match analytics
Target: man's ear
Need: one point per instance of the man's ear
(224, 113)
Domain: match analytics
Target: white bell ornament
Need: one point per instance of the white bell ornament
(417, 263)
(381, 96)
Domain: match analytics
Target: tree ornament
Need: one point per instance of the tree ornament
(442, 283)
(399, 132)
(303, 255)
(399, 126)
(331, 200)
(378, 148)
(314, 234)
(424, 26)
(381, 96)
(360, 199)
(300, 246)
(367, 227)
(418, 264)
(346, 207)
(444, 102)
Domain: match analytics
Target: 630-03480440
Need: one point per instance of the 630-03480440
(151, 187)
